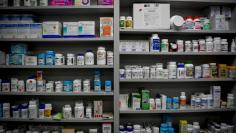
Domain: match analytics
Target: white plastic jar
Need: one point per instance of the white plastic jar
(89, 58)
(230, 101)
(195, 46)
(224, 45)
(101, 56)
(172, 70)
(180, 44)
(206, 71)
(67, 112)
(89, 112)
(198, 72)
(79, 110)
(217, 44)
(159, 71)
(202, 45)
(80, 60)
(209, 44)
(86, 85)
(188, 46)
(70, 59)
(59, 59)
(110, 58)
(189, 69)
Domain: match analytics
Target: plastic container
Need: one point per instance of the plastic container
(224, 45)
(101, 56)
(164, 45)
(129, 22)
(79, 110)
(230, 101)
(67, 112)
(217, 44)
(206, 71)
(59, 59)
(110, 58)
(50, 57)
(31, 84)
(209, 44)
(195, 47)
(172, 70)
(41, 111)
(202, 45)
(198, 72)
(89, 58)
(80, 60)
(213, 70)
(86, 85)
(180, 44)
(183, 101)
(70, 60)
(181, 72)
(189, 69)
(188, 46)
(155, 43)
(222, 71)
(233, 46)
(68, 86)
(122, 22)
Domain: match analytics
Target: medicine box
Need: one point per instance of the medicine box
(133, 45)
(52, 29)
(36, 30)
(216, 94)
(82, 2)
(23, 31)
(87, 29)
(15, 59)
(98, 109)
(151, 16)
(20, 48)
(70, 29)
(106, 128)
(9, 30)
(106, 27)
(31, 60)
(218, 22)
(105, 2)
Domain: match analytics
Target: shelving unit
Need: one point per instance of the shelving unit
(173, 87)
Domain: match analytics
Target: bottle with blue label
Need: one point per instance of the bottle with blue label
(97, 81)
(155, 45)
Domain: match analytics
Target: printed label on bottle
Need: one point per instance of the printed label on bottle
(156, 44)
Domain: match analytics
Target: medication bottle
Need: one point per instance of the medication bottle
(77, 85)
(41, 59)
(67, 112)
(43, 2)
(108, 85)
(152, 104)
(155, 43)
(59, 59)
(173, 47)
(217, 44)
(70, 59)
(202, 45)
(159, 71)
(198, 72)
(6, 110)
(129, 22)
(122, 22)
(33, 113)
(158, 104)
(80, 59)
(79, 110)
(172, 70)
(86, 85)
(183, 101)
(101, 56)
(175, 103)
(31, 84)
(50, 57)
(233, 46)
(89, 58)
(188, 46)
(224, 45)
(230, 101)
(97, 81)
(205, 71)
(15, 112)
(196, 127)
(24, 113)
(89, 112)
(213, 70)
(222, 70)
(181, 73)
(189, 69)
(110, 58)
(209, 101)
(180, 44)
(183, 124)
(48, 110)
(195, 47)
(164, 45)
(41, 111)
(209, 44)
(169, 103)
(68, 85)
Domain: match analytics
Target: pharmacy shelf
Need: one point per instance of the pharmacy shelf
(184, 3)
(56, 121)
(190, 32)
(58, 39)
(56, 94)
(175, 80)
(98, 9)
(130, 111)
(178, 53)
(56, 67)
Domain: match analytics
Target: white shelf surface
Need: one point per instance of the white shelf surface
(177, 53)
(177, 80)
(56, 94)
(58, 39)
(150, 31)
(55, 121)
(130, 111)
(55, 67)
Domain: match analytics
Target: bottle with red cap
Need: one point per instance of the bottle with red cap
(189, 23)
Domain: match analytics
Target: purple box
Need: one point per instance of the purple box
(105, 2)
(60, 2)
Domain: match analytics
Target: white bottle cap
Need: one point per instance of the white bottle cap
(182, 93)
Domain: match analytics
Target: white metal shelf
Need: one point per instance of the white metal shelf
(55, 67)
(130, 111)
(56, 94)
(190, 32)
(178, 53)
(102, 9)
(177, 80)
(96, 39)
(55, 121)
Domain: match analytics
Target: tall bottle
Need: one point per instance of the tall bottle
(97, 81)
(233, 46)
(183, 101)
(155, 45)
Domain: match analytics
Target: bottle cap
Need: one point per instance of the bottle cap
(182, 93)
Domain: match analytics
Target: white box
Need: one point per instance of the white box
(36, 30)
(87, 28)
(9, 30)
(106, 128)
(23, 31)
(51, 29)
(218, 22)
(216, 93)
(31, 60)
(151, 16)
(70, 29)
